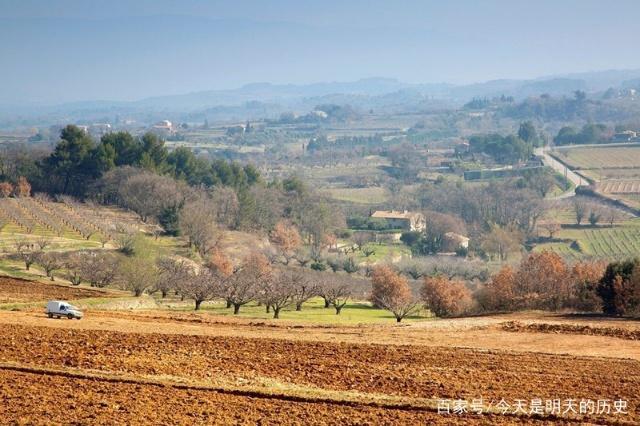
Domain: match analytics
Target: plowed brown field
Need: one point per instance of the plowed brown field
(17, 290)
(45, 399)
(281, 369)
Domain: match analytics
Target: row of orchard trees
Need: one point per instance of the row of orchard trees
(255, 279)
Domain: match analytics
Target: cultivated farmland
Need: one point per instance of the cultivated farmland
(68, 223)
(239, 371)
(602, 242)
(603, 157)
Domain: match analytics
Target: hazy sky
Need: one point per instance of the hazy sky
(65, 50)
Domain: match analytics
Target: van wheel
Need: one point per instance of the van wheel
(50, 315)
(70, 316)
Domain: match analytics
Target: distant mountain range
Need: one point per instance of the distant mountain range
(268, 100)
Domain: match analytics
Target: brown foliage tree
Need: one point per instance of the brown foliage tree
(287, 239)
(390, 291)
(585, 277)
(499, 293)
(543, 282)
(445, 297)
(22, 188)
(220, 264)
(6, 189)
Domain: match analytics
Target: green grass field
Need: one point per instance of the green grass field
(383, 252)
(356, 312)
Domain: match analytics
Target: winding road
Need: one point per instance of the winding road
(572, 176)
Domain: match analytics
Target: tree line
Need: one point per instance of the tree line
(78, 160)
(508, 149)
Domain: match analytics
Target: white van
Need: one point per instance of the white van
(56, 308)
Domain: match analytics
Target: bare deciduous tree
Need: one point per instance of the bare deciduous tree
(26, 251)
(73, 267)
(227, 206)
(148, 194)
(137, 274)
(304, 288)
(171, 272)
(580, 209)
(49, 262)
(243, 285)
(278, 291)
(99, 269)
(502, 242)
(200, 285)
(197, 222)
(337, 293)
(125, 238)
(551, 226)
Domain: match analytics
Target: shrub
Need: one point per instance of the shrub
(318, 266)
(410, 238)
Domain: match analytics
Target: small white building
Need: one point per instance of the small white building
(164, 126)
(453, 242)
